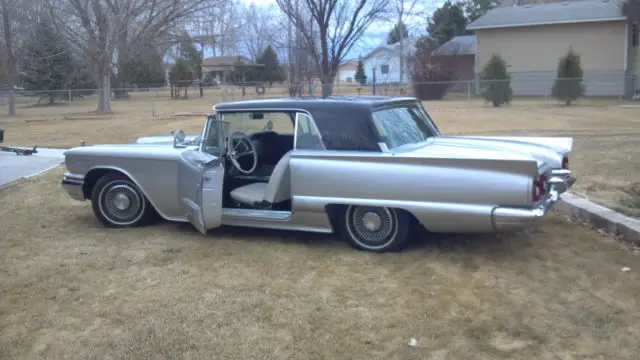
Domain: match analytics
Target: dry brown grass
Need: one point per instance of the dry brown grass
(73, 289)
(606, 156)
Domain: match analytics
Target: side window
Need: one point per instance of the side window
(307, 134)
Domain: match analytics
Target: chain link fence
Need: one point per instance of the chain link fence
(161, 100)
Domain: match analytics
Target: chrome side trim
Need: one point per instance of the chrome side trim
(73, 183)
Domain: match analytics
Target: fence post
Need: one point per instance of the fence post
(468, 90)
(153, 105)
(69, 102)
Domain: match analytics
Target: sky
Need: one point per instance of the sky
(377, 33)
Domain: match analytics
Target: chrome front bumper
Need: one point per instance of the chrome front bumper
(508, 218)
(73, 183)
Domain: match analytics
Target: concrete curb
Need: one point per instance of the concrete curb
(27, 177)
(624, 227)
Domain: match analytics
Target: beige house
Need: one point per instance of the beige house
(222, 66)
(531, 38)
(347, 72)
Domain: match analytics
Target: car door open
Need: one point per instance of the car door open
(200, 178)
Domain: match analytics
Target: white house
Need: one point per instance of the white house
(386, 61)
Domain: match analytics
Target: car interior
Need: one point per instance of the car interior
(265, 184)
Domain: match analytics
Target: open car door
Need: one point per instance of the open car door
(200, 178)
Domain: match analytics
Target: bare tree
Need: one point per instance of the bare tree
(100, 27)
(258, 29)
(14, 30)
(339, 25)
(404, 10)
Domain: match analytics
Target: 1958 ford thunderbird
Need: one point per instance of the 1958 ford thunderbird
(367, 167)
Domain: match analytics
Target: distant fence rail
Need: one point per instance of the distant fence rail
(159, 97)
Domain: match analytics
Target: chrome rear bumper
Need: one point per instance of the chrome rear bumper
(508, 218)
(73, 183)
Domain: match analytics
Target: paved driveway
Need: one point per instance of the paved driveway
(15, 167)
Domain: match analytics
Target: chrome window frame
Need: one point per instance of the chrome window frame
(315, 127)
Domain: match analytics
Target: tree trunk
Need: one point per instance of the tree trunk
(401, 56)
(327, 84)
(11, 71)
(104, 94)
(122, 80)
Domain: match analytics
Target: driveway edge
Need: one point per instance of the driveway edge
(23, 179)
(600, 217)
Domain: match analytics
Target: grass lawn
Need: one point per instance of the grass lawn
(73, 289)
(606, 154)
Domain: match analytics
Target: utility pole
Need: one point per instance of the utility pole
(374, 80)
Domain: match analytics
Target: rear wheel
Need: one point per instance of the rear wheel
(376, 229)
(118, 202)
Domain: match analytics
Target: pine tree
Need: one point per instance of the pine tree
(48, 61)
(495, 82)
(272, 71)
(568, 85)
(399, 31)
(360, 76)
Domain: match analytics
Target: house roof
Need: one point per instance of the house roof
(349, 63)
(459, 45)
(408, 44)
(225, 61)
(550, 13)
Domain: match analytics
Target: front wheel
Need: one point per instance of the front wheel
(376, 229)
(117, 202)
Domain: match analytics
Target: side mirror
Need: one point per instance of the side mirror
(178, 138)
(268, 126)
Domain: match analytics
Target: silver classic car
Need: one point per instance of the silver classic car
(368, 167)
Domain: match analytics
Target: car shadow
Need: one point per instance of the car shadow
(492, 246)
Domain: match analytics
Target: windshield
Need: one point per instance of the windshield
(251, 122)
(398, 126)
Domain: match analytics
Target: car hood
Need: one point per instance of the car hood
(131, 150)
(545, 151)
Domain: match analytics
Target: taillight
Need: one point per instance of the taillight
(565, 162)
(539, 188)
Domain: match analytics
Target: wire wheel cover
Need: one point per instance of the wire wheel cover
(372, 225)
(121, 203)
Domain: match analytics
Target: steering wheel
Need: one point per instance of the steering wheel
(236, 151)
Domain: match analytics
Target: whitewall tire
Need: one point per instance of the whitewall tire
(376, 229)
(118, 202)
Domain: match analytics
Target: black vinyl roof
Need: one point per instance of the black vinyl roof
(343, 121)
(332, 103)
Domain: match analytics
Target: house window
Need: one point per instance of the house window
(384, 69)
(635, 34)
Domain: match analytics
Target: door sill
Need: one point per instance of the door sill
(255, 214)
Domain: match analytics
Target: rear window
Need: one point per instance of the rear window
(398, 126)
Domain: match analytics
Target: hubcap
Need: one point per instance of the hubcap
(372, 221)
(121, 203)
(372, 225)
